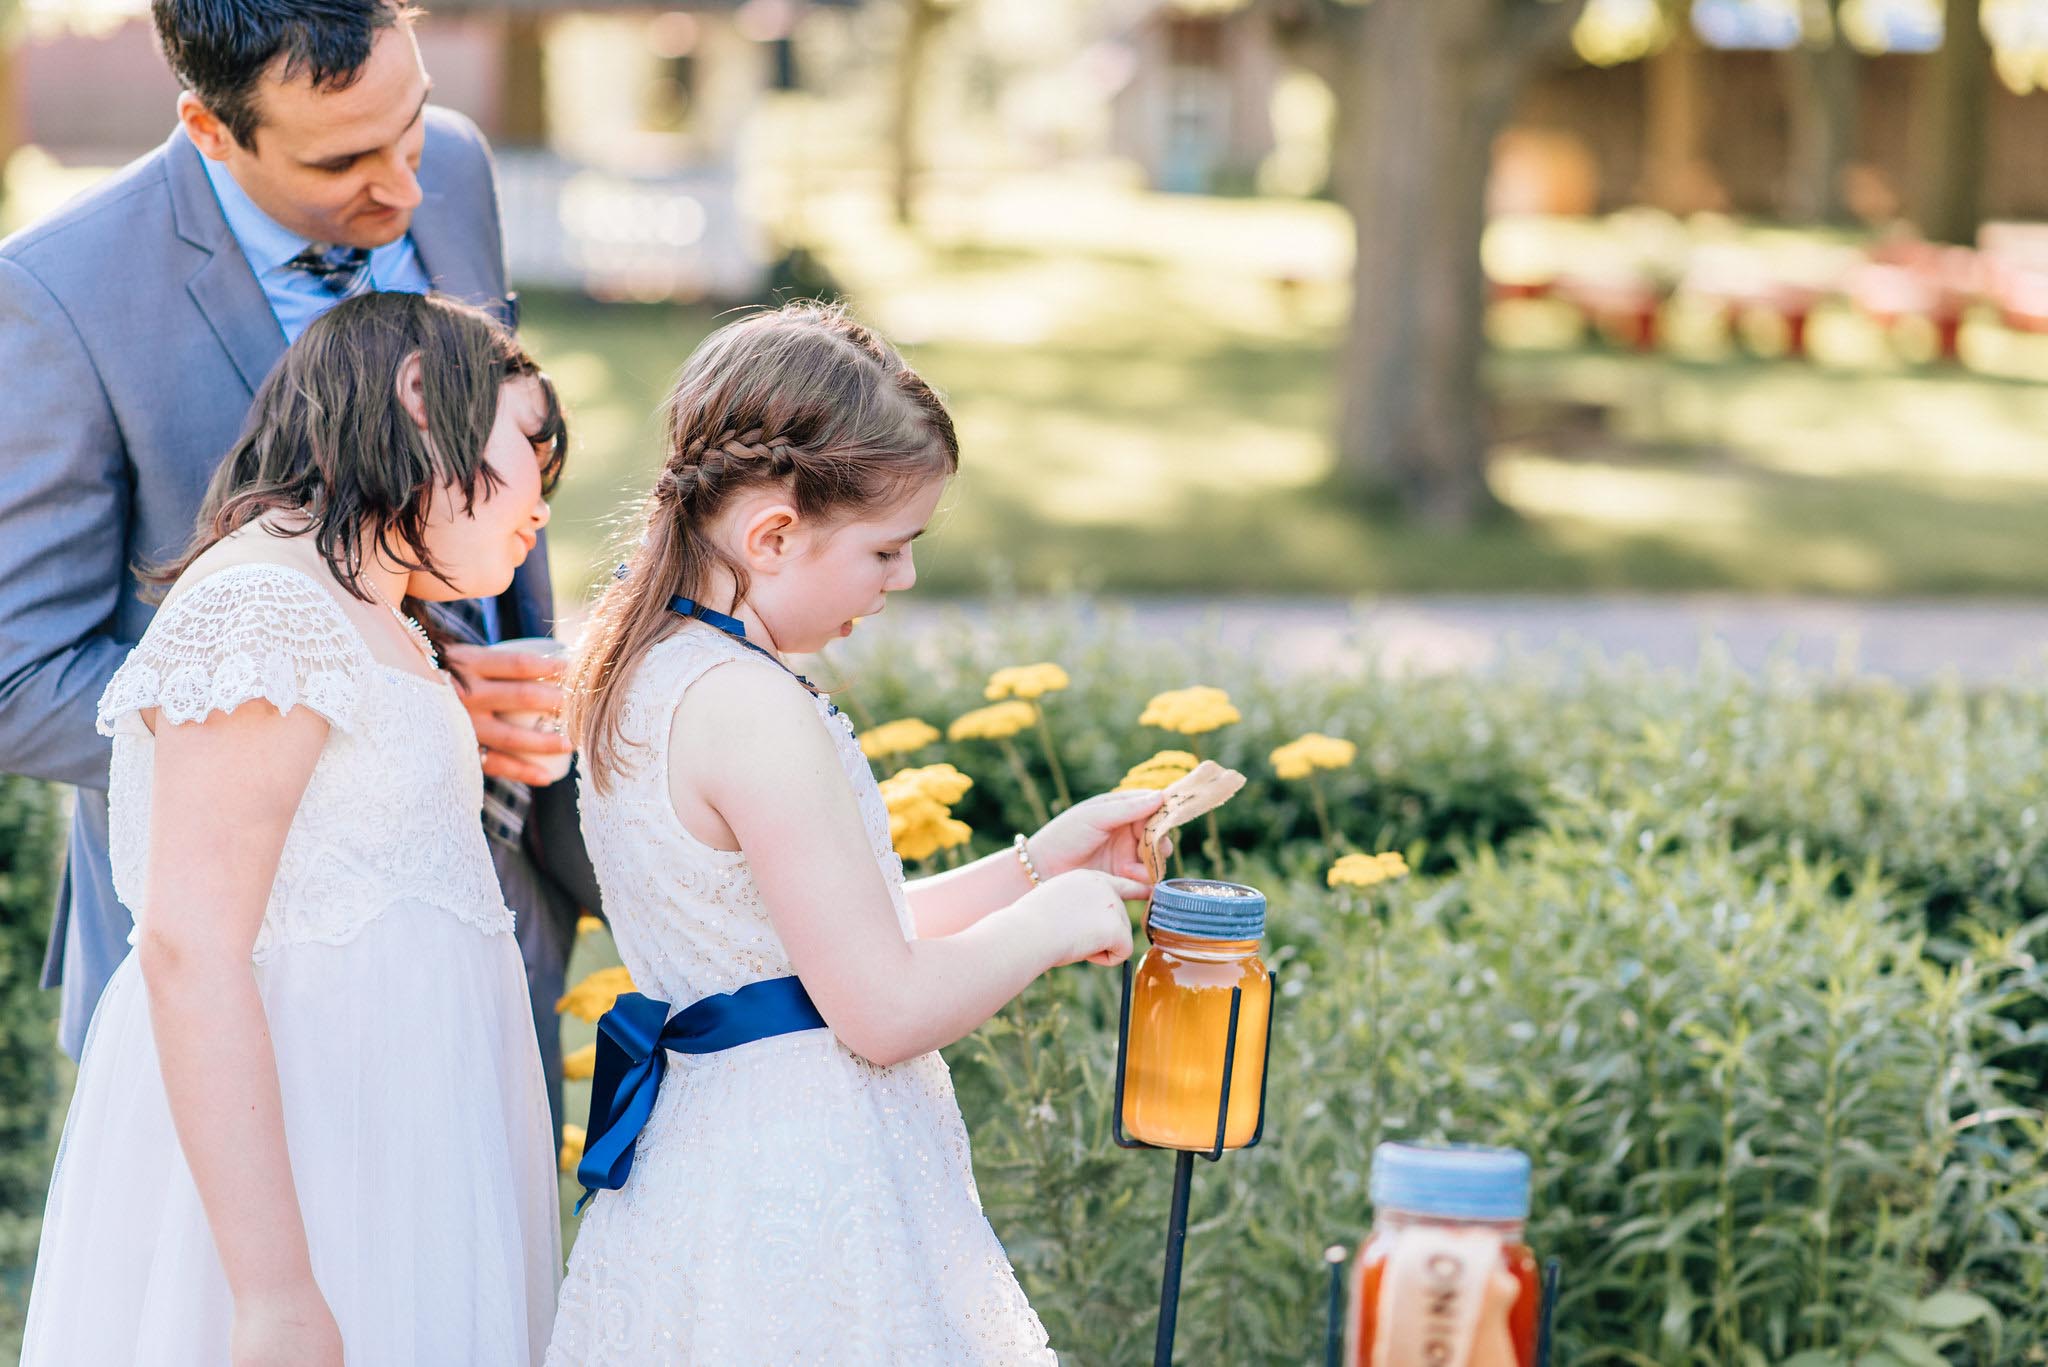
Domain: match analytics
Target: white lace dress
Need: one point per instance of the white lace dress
(414, 1107)
(789, 1202)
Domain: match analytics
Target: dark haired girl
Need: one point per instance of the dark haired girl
(310, 1121)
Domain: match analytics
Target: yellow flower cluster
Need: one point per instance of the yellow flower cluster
(594, 996)
(998, 721)
(1300, 758)
(1163, 770)
(572, 1147)
(580, 1065)
(588, 925)
(920, 802)
(1367, 870)
(898, 738)
(1026, 681)
(941, 783)
(1190, 711)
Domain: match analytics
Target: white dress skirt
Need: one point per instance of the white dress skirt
(415, 1113)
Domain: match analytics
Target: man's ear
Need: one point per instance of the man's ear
(412, 389)
(768, 538)
(204, 127)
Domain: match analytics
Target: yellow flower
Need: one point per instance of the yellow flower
(594, 996)
(1160, 771)
(897, 738)
(921, 821)
(581, 1064)
(1026, 681)
(1300, 758)
(998, 721)
(588, 925)
(572, 1147)
(939, 782)
(1367, 870)
(928, 838)
(1190, 711)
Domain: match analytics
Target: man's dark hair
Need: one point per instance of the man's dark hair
(220, 49)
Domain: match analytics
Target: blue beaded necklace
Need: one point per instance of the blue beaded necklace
(735, 628)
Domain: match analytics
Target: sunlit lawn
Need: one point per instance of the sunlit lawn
(1144, 386)
(1145, 406)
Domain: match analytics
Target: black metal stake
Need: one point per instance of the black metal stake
(1333, 1334)
(1176, 1240)
(1550, 1278)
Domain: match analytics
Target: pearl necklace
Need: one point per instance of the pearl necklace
(411, 625)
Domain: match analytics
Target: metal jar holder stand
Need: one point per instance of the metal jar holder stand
(1184, 1159)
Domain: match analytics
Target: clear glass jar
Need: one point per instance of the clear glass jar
(1204, 941)
(1445, 1279)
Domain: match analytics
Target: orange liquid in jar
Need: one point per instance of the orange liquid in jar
(1180, 1023)
(1368, 1323)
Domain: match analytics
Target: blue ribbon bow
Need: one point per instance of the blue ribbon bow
(633, 1041)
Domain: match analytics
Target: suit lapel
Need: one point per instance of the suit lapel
(224, 288)
(449, 256)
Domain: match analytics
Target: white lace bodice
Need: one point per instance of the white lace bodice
(392, 811)
(688, 918)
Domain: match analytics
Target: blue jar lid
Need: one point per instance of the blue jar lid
(1208, 909)
(1451, 1181)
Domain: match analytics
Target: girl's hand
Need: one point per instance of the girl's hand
(290, 1327)
(1089, 907)
(1101, 834)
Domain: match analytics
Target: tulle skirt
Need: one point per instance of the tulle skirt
(791, 1203)
(417, 1122)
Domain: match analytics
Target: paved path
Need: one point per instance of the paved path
(1910, 640)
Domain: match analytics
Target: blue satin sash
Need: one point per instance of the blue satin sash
(633, 1040)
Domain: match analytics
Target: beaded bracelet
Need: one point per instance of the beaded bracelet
(1023, 848)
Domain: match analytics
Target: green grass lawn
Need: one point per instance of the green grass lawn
(1144, 386)
(1144, 407)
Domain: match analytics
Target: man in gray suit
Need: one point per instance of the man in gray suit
(135, 325)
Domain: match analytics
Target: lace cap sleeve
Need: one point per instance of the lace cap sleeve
(242, 633)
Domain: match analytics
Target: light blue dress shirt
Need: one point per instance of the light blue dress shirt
(296, 298)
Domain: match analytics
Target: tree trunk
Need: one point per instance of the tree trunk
(922, 19)
(1954, 125)
(1821, 91)
(10, 129)
(1676, 175)
(523, 102)
(1427, 90)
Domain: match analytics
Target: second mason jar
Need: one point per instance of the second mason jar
(1204, 940)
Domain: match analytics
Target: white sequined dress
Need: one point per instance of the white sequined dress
(415, 1113)
(789, 1202)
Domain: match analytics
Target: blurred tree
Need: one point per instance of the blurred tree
(1953, 128)
(10, 133)
(1423, 87)
(523, 101)
(1676, 173)
(922, 20)
(1822, 79)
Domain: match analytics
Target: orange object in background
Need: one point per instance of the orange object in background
(1204, 941)
(1445, 1279)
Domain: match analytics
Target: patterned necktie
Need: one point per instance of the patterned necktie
(343, 272)
(506, 803)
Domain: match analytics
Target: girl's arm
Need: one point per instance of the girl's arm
(751, 744)
(225, 791)
(1101, 833)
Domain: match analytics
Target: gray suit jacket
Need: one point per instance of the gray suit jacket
(132, 337)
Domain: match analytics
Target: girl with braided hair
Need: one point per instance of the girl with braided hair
(778, 1165)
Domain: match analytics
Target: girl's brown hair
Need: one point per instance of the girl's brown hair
(328, 436)
(803, 397)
